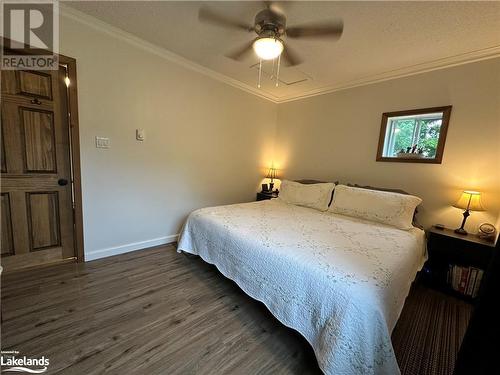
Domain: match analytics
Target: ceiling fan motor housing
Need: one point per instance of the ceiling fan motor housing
(267, 22)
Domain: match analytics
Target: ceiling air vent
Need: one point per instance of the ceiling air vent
(288, 77)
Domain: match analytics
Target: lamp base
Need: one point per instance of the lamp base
(461, 231)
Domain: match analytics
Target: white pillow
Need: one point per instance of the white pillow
(380, 206)
(315, 196)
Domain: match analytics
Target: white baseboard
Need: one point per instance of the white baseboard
(102, 253)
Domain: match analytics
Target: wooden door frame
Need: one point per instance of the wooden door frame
(75, 154)
(74, 140)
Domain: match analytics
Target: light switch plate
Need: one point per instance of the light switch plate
(102, 142)
(140, 134)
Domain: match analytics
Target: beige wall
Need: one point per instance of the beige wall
(335, 137)
(206, 141)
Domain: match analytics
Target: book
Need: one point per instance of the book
(453, 277)
(464, 275)
(465, 280)
(457, 277)
(454, 282)
(472, 280)
(479, 277)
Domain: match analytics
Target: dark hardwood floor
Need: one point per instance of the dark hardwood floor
(159, 312)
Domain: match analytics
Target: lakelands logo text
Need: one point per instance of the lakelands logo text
(31, 34)
(9, 362)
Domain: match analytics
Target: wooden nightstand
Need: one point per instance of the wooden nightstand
(261, 196)
(446, 247)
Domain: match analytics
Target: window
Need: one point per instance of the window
(414, 136)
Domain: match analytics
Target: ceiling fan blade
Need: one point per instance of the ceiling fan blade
(275, 6)
(319, 30)
(289, 57)
(208, 16)
(242, 52)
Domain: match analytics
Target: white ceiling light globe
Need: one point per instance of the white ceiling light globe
(268, 48)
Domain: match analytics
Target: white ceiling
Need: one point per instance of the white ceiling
(381, 39)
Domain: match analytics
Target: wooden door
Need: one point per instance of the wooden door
(37, 209)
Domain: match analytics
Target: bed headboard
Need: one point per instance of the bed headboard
(309, 182)
(399, 191)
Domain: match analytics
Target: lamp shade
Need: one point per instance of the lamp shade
(272, 173)
(470, 200)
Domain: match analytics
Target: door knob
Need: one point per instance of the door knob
(62, 182)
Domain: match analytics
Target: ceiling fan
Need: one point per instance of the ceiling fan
(270, 27)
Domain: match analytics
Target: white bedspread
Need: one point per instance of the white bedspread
(339, 281)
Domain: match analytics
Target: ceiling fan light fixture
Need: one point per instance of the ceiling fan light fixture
(268, 48)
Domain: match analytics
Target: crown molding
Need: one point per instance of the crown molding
(447, 62)
(444, 63)
(118, 33)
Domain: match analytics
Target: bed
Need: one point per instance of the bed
(339, 281)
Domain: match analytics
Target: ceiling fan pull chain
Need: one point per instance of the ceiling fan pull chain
(272, 71)
(260, 72)
(278, 71)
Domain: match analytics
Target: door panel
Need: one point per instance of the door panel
(39, 140)
(4, 165)
(35, 84)
(31, 84)
(7, 241)
(19, 221)
(9, 83)
(43, 220)
(35, 155)
(28, 138)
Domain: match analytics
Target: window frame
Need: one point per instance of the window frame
(445, 110)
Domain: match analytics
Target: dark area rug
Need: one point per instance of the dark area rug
(429, 332)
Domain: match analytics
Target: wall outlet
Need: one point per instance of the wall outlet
(102, 142)
(140, 134)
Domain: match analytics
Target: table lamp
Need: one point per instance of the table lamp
(469, 201)
(272, 174)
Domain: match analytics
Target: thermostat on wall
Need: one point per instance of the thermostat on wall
(140, 134)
